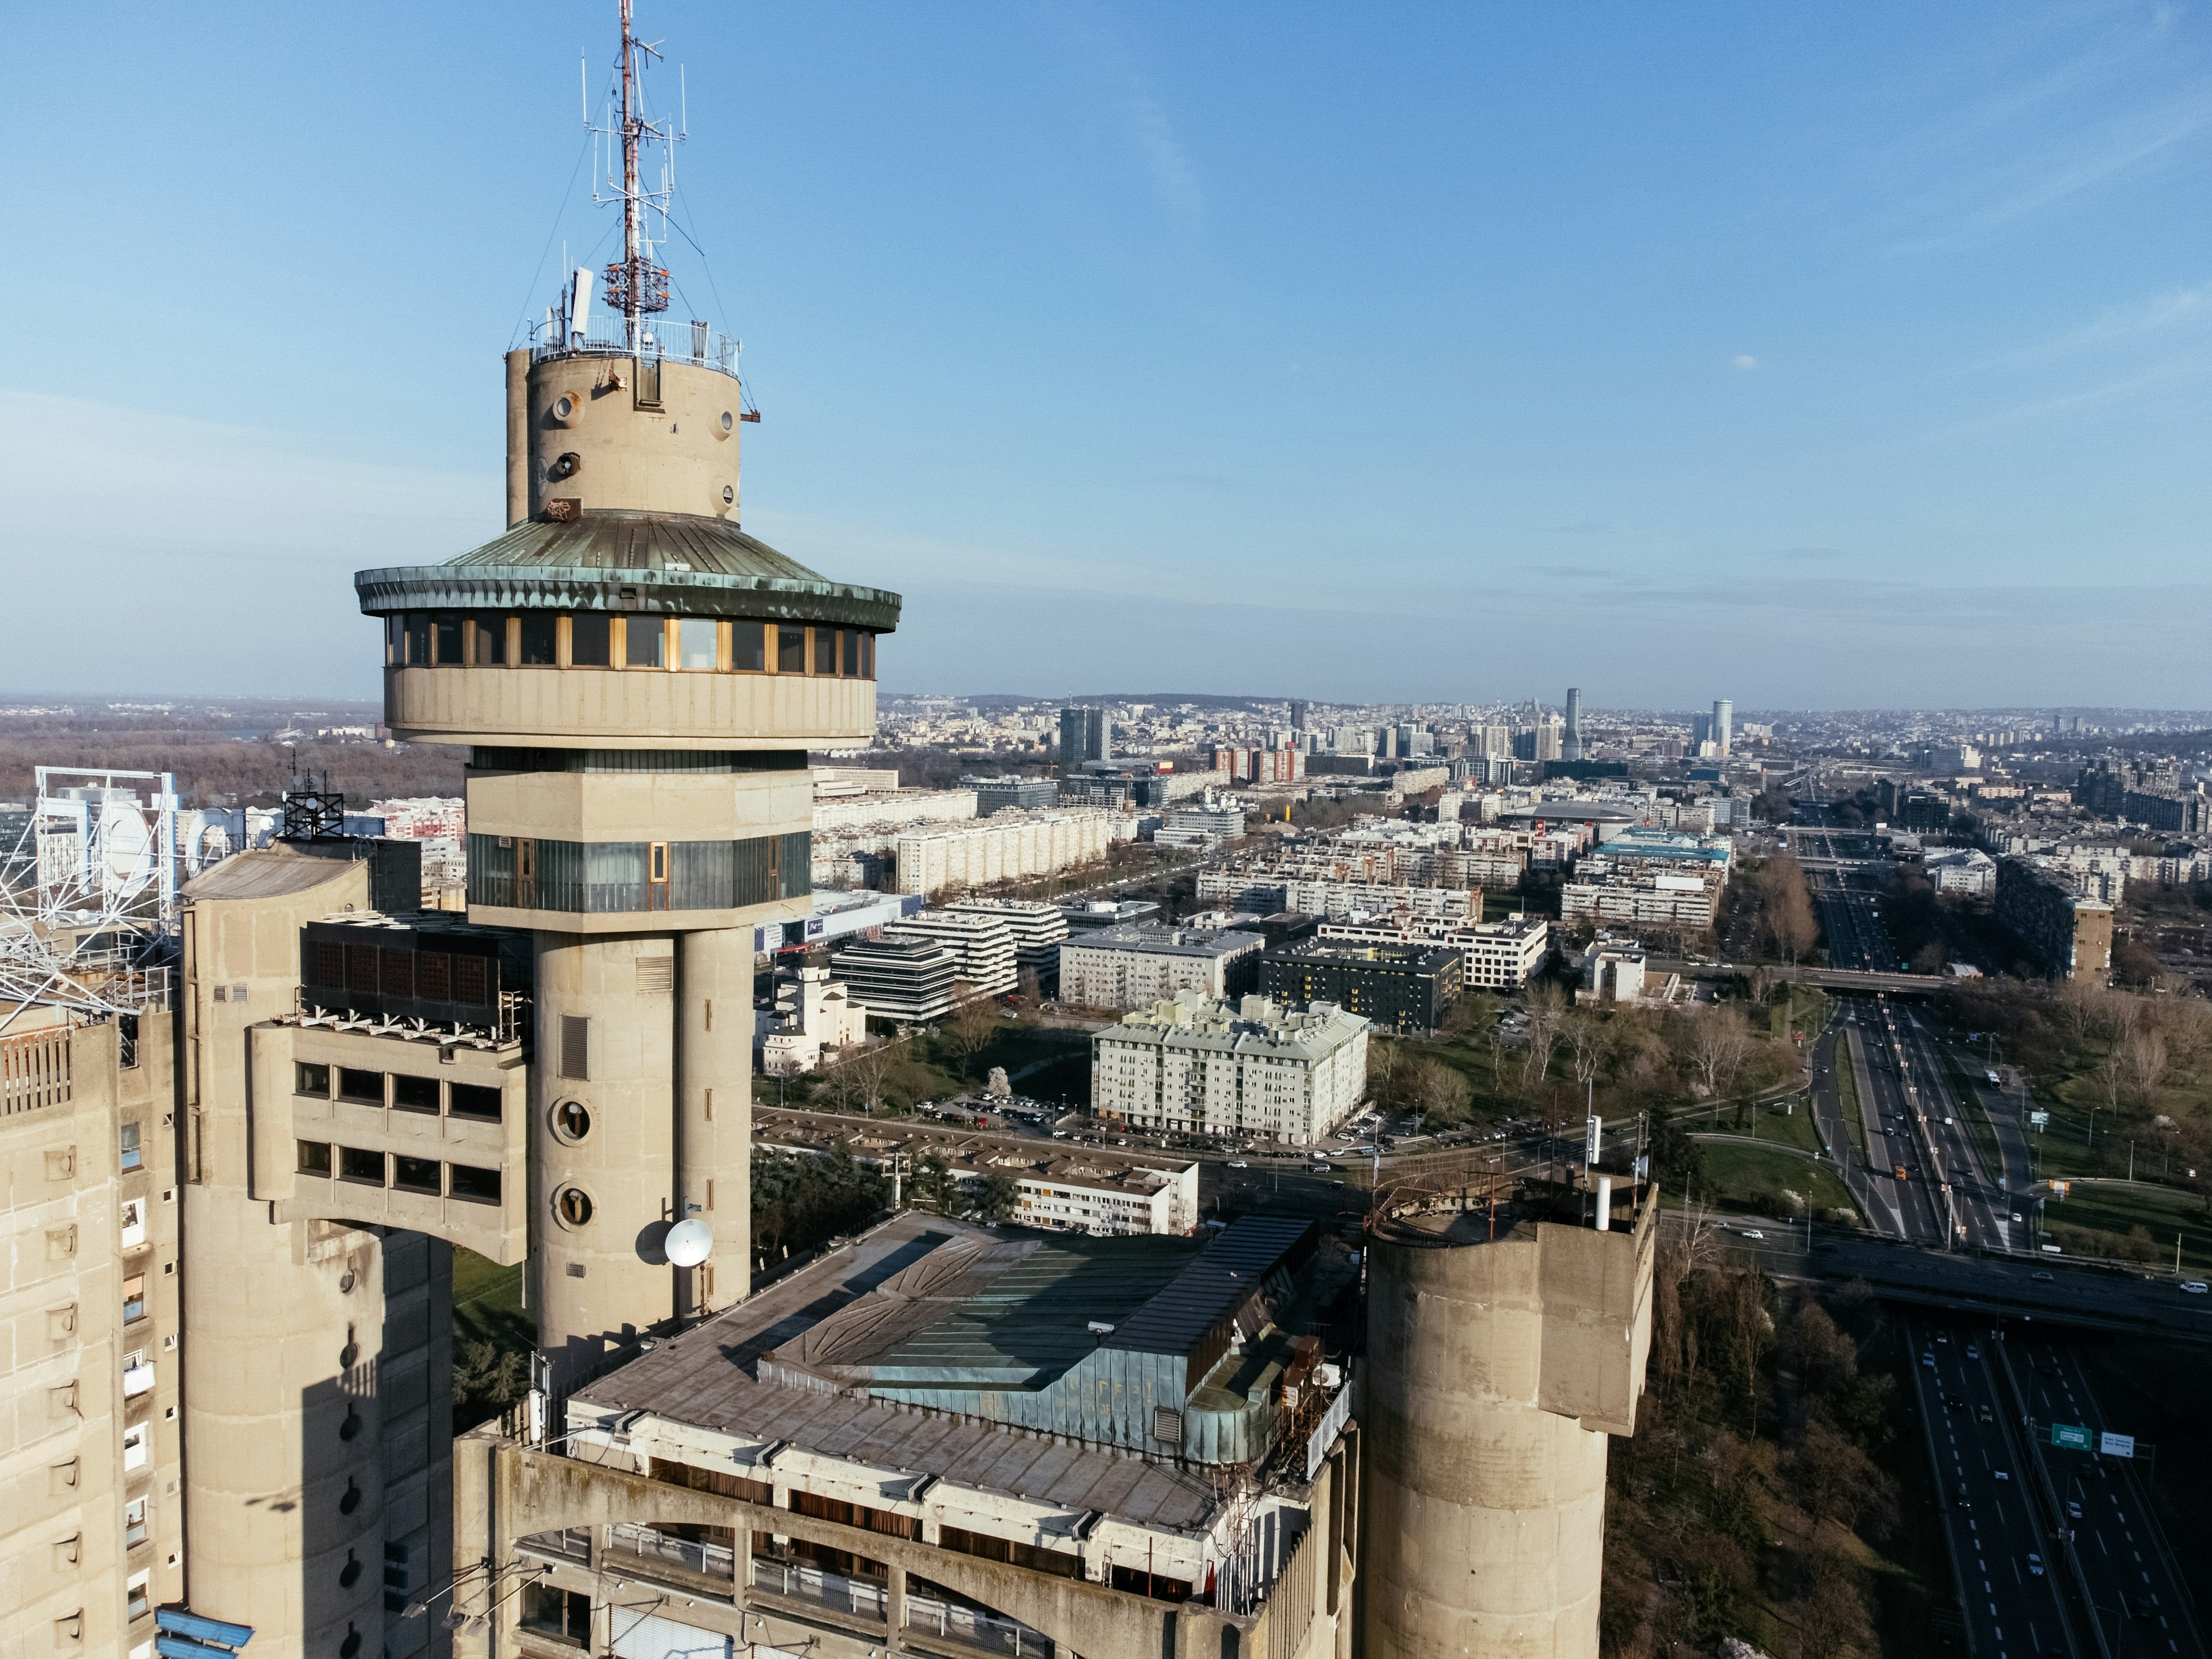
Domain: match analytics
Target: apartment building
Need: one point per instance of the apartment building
(1397, 987)
(2067, 936)
(1035, 927)
(1136, 966)
(981, 943)
(1251, 1070)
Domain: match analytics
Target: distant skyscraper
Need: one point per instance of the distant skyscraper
(1571, 743)
(1085, 734)
(1298, 710)
(1724, 720)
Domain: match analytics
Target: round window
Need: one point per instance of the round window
(728, 495)
(728, 420)
(573, 1205)
(563, 407)
(571, 1120)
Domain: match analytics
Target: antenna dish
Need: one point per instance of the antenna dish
(688, 1242)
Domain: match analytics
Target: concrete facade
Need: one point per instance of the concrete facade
(1497, 1366)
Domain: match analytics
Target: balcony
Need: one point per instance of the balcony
(664, 1559)
(964, 1629)
(801, 1581)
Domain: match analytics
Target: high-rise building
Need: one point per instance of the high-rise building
(1085, 735)
(1570, 741)
(1298, 710)
(1723, 724)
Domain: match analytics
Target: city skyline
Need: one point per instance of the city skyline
(1860, 358)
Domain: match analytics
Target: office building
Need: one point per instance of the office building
(1091, 915)
(1500, 956)
(1252, 1070)
(1024, 794)
(1298, 710)
(1397, 987)
(958, 1440)
(1035, 927)
(1086, 735)
(2065, 935)
(1138, 966)
(1541, 741)
(1570, 739)
(982, 943)
(1105, 1191)
(911, 980)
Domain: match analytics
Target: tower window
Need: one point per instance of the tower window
(749, 647)
(588, 640)
(491, 640)
(648, 645)
(446, 639)
(418, 639)
(537, 639)
(852, 639)
(695, 642)
(791, 651)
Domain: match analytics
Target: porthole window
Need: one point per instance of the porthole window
(728, 420)
(573, 1207)
(728, 495)
(564, 406)
(572, 1121)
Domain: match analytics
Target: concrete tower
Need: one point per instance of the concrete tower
(1502, 1349)
(638, 681)
(1570, 744)
(1723, 725)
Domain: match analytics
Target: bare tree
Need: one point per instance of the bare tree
(2143, 1062)
(1786, 907)
(971, 1026)
(1545, 1006)
(1441, 1093)
(1718, 1041)
(1384, 1060)
(1589, 1040)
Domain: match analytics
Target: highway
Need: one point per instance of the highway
(2009, 1591)
(2130, 1575)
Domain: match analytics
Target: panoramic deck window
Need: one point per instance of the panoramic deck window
(598, 639)
(615, 877)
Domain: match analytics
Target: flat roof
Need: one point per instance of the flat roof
(1153, 939)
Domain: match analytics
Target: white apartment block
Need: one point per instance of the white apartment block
(1005, 847)
(1607, 897)
(892, 809)
(1340, 899)
(1256, 1071)
(1138, 965)
(1037, 928)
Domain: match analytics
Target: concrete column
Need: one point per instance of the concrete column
(601, 1175)
(518, 436)
(283, 1478)
(714, 1095)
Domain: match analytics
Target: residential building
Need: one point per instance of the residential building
(1252, 1070)
(1094, 914)
(1026, 795)
(2170, 812)
(1967, 870)
(1397, 987)
(2067, 936)
(1604, 893)
(1102, 1190)
(1007, 846)
(1613, 970)
(1135, 967)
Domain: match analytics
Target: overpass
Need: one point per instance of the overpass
(1828, 979)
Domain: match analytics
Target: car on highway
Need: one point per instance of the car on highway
(1238, 1164)
(1987, 1416)
(1751, 1232)
(2002, 1474)
(1973, 1352)
(2073, 1508)
(2034, 1564)
(1965, 1502)
(2041, 1278)
(2196, 1287)
(1928, 1359)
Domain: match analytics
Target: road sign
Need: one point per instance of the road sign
(2116, 1445)
(2038, 1119)
(2073, 1436)
(2060, 1188)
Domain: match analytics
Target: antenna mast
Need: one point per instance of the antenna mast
(637, 283)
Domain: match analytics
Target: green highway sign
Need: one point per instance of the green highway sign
(2072, 1436)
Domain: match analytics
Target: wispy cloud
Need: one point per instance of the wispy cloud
(1173, 176)
(1744, 363)
(2176, 308)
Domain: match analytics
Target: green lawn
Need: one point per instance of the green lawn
(2119, 1210)
(1847, 1093)
(1744, 1178)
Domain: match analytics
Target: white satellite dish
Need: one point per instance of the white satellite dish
(688, 1242)
(126, 850)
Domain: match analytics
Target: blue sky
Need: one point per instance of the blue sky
(1812, 356)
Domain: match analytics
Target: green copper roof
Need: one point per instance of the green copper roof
(679, 563)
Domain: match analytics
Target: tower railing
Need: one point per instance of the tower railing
(607, 334)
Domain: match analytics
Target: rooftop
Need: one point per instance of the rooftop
(1156, 940)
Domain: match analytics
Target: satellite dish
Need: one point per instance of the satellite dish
(126, 847)
(688, 1242)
